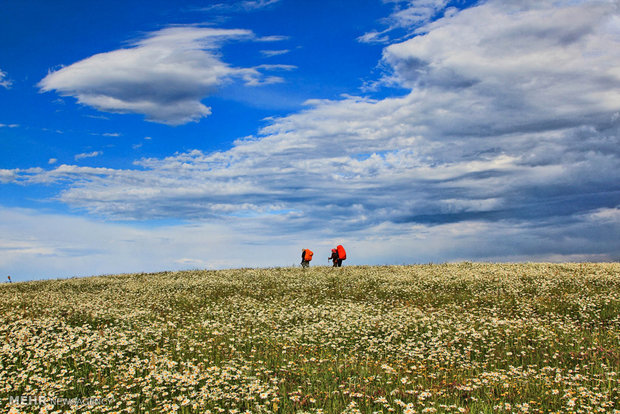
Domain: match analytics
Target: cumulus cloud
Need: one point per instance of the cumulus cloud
(507, 146)
(163, 76)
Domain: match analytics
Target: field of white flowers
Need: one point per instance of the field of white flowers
(448, 338)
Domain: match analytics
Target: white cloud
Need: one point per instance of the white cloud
(8, 176)
(271, 53)
(163, 76)
(374, 37)
(87, 155)
(5, 82)
(52, 161)
(273, 38)
(240, 6)
(416, 12)
(258, 4)
(408, 15)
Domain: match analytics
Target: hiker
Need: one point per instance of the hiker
(338, 255)
(10, 281)
(334, 257)
(306, 256)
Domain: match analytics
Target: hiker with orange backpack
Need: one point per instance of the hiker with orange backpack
(334, 257)
(306, 256)
(338, 255)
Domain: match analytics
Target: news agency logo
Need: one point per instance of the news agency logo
(44, 400)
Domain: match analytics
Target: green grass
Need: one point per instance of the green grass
(435, 338)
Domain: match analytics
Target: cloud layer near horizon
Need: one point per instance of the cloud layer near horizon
(510, 129)
(93, 247)
(163, 76)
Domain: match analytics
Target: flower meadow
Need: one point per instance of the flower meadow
(437, 338)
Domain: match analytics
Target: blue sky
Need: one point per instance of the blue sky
(226, 134)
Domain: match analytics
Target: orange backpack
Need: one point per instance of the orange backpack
(342, 254)
(308, 255)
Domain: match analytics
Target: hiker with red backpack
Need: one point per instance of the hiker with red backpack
(338, 255)
(306, 256)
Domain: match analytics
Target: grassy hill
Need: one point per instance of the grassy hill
(405, 339)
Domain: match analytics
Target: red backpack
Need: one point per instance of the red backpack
(342, 254)
(308, 255)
